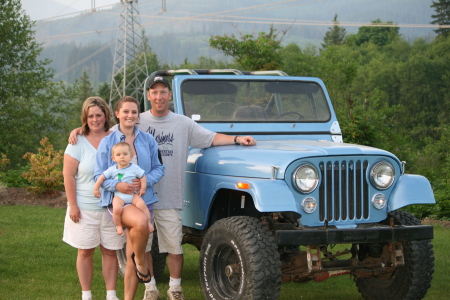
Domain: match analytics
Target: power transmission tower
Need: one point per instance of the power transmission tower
(92, 6)
(130, 63)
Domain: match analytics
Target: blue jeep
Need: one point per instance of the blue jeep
(273, 213)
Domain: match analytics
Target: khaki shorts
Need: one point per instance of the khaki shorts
(94, 228)
(169, 228)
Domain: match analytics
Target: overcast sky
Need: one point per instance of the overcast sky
(43, 9)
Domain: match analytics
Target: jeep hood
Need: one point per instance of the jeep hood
(257, 161)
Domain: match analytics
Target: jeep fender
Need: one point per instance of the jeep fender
(268, 195)
(411, 189)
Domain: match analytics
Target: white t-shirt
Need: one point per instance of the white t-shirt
(84, 152)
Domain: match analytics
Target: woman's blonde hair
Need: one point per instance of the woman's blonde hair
(91, 102)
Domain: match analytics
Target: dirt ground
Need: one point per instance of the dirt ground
(20, 196)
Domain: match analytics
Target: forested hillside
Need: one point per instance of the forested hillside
(182, 31)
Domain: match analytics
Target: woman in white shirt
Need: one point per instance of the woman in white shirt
(87, 225)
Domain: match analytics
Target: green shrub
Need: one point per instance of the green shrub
(13, 177)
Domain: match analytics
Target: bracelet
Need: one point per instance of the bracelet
(235, 140)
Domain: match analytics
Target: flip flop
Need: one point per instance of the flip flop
(139, 275)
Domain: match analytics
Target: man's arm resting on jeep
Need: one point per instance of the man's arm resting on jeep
(73, 135)
(223, 139)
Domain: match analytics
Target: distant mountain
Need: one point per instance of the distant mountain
(182, 31)
(224, 16)
(38, 10)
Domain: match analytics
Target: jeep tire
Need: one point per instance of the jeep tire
(410, 281)
(159, 259)
(239, 260)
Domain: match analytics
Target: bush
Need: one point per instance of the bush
(4, 162)
(13, 177)
(45, 174)
(10, 177)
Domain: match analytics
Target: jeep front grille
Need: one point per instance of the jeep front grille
(343, 191)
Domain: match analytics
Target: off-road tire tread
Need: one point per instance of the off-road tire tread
(418, 269)
(259, 248)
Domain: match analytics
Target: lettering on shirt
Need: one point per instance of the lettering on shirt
(165, 141)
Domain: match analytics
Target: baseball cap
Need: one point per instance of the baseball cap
(157, 78)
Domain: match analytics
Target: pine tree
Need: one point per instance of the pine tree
(86, 89)
(442, 16)
(335, 35)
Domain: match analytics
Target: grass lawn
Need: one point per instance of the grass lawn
(36, 264)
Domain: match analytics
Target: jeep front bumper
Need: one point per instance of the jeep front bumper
(353, 235)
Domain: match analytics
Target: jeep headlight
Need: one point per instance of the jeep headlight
(306, 178)
(382, 175)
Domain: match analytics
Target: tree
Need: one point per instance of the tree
(80, 91)
(22, 74)
(95, 59)
(335, 35)
(379, 33)
(23, 81)
(298, 62)
(86, 89)
(442, 16)
(30, 104)
(104, 91)
(252, 54)
(205, 63)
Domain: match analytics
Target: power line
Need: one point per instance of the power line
(255, 8)
(84, 59)
(253, 21)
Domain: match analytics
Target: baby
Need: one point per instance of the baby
(124, 171)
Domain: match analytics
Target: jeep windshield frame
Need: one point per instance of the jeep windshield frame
(249, 100)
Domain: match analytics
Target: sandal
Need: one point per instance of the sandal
(139, 275)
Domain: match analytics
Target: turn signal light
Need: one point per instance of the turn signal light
(243, 185)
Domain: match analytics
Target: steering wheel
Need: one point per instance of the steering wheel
(299, 115)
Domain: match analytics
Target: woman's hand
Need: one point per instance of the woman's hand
(73, 135)
(128, 188)
(74, 214)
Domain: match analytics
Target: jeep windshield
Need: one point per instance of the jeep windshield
(254, 101)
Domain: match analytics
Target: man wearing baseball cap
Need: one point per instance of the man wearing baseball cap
(174, 134)
(157, 79)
